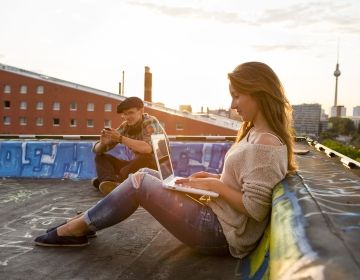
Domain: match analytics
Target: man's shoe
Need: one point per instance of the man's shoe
(95, 182)
(90, 234)
(52, 239)
(106, 187)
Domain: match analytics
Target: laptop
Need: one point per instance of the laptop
(166, 171)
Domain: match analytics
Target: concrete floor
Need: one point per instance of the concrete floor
(138, 248)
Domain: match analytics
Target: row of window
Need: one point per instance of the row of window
(55, 122)
(73, 122)
(23, 89)
(56, 106)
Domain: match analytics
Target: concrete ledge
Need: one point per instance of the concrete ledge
(75, 160)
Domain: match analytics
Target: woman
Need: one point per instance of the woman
(234, 222)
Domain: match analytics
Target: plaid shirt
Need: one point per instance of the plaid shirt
(150, 125)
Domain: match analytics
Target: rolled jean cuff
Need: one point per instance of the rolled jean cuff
(88, 221)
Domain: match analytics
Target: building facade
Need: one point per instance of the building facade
(35, 104)
(338, 111)
(356, 111)
(307, 119)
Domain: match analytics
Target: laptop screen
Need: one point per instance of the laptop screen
(162, 155)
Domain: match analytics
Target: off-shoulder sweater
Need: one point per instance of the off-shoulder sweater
(253, 169)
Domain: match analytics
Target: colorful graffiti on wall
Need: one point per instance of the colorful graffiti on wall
(75, 160)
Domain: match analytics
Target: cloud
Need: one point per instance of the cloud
(336, 16)
(288, 47)
(173, 11)
(2, 56)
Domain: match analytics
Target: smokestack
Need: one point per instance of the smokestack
(148, 85)
(121, 84)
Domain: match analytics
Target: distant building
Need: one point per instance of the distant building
(233, 114)
(356, 111)
(324, 121)
(338, 111)
(185, 108)
(307, 119)
(220, 112)
(356, 120)
(35, 104)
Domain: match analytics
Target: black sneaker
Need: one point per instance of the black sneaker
(95, 182)
(90, 234)
(52, 239)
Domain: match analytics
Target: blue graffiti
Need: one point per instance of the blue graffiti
(75, 160)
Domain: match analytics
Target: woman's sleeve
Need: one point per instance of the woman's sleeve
(257, 190)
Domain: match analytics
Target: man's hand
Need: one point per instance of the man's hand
(109, 136)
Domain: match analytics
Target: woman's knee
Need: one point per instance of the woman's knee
(149, 171)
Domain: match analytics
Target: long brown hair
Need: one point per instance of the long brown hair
(260, 81)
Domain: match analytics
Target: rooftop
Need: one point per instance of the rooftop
(326, 211)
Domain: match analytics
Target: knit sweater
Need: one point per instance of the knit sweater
(253, 169)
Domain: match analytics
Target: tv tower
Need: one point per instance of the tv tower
(337, 110)
(337, 73)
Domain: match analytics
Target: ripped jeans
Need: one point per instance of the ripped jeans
(190, 221)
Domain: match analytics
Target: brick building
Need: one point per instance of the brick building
(36, 104)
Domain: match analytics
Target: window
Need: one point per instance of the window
(179, 126)
(107, 107)
(56, 106)
(7, 89)
(39, 121)
(6, 120)
(40, 89)
(7, 104)
(73, 123)
(90, 107)
(90, 123)
(107, 123)
(56, 122)
(73, 106)
(40, 105)
(23, 89)
(23, 121)
(23, 105)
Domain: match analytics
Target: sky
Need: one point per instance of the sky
(189, 45)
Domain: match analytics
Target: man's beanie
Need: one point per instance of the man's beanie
(130, 102)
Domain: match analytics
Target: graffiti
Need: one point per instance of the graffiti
(75, 159)
(19, 196)
(189, 158)
(15, 234)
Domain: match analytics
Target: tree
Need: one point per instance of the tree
(343, 126)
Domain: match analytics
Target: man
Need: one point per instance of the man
(135, 133)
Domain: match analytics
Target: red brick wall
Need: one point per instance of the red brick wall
(66, 95)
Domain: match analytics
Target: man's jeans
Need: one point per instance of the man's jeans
(189, 220)
(109, 168)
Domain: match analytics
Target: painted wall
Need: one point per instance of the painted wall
(75, 160)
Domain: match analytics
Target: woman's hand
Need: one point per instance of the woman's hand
(203, 174)
(209, 183)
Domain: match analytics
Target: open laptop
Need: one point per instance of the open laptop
(166, 171)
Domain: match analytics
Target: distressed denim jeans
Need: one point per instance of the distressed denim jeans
(190, 221)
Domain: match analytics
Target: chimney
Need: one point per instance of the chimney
(147, 85)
